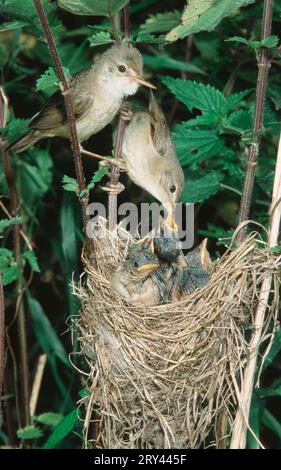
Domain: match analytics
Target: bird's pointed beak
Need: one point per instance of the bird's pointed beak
(143, 82)
(171, 222)
(148, 268)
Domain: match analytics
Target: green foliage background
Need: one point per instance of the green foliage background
(206, 86)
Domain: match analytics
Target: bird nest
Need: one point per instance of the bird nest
(167, 376)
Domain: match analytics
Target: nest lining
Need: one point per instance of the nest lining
(163, 376)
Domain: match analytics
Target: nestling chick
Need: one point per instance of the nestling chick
(96, 95)
(195, 274)
(150, 158)
(182, 274)
(136, 279)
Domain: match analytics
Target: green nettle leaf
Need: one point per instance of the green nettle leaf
(49, 419)
(197, 95)
(239, 39)
(161, 23)
(207, 119)
(9, 25)
(194, 146)
(19, 12)
(31, 258)
(213, 231)
(239, 122)
(70, 184)
(201, 184)
(97, 177)
(150, 39)
(270, 41)
(93, 7)
(235, 99)
(5, 223)
(164, 61)
(100, 38)
(49, 79)
(204, 16)
(29, 432)
(8, 266)
(65, 426)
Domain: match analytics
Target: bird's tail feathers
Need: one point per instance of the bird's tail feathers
(25, 142)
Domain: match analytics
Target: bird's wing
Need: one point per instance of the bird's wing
(53, 113)
(158, 127)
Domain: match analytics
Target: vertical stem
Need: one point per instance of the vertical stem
(253, 148)
(24, 387)
(239, 432)
(115, 173)
(69, 110)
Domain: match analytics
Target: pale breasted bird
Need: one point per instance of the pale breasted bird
(137, 278)
(96, 93)
(149, 158)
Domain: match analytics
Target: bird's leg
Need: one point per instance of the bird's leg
(91, 154)
(126, 111)
(114, 189)
(119, 162)
(105, 161)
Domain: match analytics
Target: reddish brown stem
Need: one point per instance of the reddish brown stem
(69, 110)
(253, 147)
(115, 173)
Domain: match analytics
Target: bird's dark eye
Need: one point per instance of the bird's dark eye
(122, 68)
(172, 188)
(136, 264)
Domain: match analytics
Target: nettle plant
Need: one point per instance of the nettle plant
(204, 57)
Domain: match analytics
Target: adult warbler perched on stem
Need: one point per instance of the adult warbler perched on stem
(96, 93)
(149, 158)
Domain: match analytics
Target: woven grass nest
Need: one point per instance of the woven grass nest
(167, 376)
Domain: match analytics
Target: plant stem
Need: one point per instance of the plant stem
(239, 433)
(69, 110)
(115, 173)
(253, 148)
(24, 388)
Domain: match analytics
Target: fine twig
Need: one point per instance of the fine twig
(24, 388)
(37, 383)
(69, 111)
(240, 427)
(253, 147)
(115, 173)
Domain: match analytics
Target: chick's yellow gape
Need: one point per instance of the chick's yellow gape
(96, 95)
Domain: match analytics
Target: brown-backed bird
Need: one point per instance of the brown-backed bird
(96, 95)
